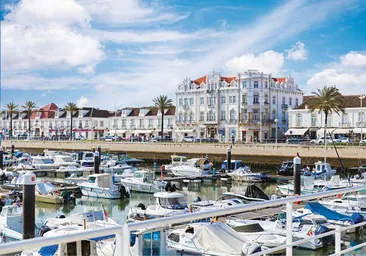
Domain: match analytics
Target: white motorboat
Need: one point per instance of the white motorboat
(302, 230)
(167, 204)
(69, 170)
(192, 168)
(210, 239)
(176, 161)
(144, 181)
(348, 204)
(23, 164)
(119, 169)
(323, 170)
(254, 232)
(245, 174)
(44, 163)
(11, 222)
(101, 186)
(308, 186)
(64, 160)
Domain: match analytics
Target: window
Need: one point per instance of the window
(223, 100)
(256, 98)
(180, 119)
(159, 122)
(329, 122)
(170, 121)
(244, 84)
(202, 116)
(232, 115)
(274, 116)
(345, 119)
(191, 117)
(101, 123)
(283, 100)
(81, 124)
(266, 85)
(185, 117)
(266, 98)
(230, 99)
(151, 123)
(245, 115)
(141, 122)
(361, 117)
(290, 101)
(211, 100)
(313, 119)
(223, 115)
(234, 99)
(210, 116)
(185, 101)
(244, 99)
(274, 100)
(132, 122)
(256, 84)
(296, 102)
(298, 119)
(191, 101)
(180, 102)
(123, 122)
(255, 115)
(202, 100)
(283, 115)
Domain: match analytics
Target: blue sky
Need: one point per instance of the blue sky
(115, 53)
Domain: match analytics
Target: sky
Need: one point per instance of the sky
(116, 53)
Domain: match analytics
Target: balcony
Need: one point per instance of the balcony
(233, 121)
(244, 103)
(256, 103)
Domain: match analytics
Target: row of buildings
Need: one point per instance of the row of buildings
(250, 107)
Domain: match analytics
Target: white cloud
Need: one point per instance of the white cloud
(297, 52)
(267, 62)
(41, 34)
(82, 102)
(348, 74)
(354, 59)
(118, 12)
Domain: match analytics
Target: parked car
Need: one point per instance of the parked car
(79, 137)
(342, 140)
(188, 139)
(320, 141)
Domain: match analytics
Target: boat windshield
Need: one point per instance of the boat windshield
(91, 179)
(177, 203)
(47, 161)
(178, 159)
(87, 164)
(320, 221)
(66, 159)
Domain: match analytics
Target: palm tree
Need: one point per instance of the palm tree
(71, 107)
(327, 100)
(11, 108)
(162, 103)
(29, 106)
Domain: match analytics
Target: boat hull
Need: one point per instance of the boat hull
(100, 192)
(49, 199)
(142, 187)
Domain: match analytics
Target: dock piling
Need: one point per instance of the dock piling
(96, 161)
(228, 157)
(29, 182)
(297, 176)
(1, 158)
(12, 148)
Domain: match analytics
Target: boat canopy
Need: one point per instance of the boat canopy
(318, 208)
(45, 188)
(255, 192)
(168, 195)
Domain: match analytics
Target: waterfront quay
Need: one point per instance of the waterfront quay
(256, 154)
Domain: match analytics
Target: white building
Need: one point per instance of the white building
(349, 124)
(143, 122)
(51, 120)
(245, 106)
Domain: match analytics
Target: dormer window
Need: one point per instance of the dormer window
(38, 114)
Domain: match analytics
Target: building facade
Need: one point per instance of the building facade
(144, 122)
(50, 120)
(247, 107)
(350, 124)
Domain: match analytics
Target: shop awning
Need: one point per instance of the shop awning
(118, 132)
(341, 131)
(184, 131)
(320, 132)
(142, 131)
(297, 132)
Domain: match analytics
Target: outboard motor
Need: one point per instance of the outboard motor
(44, 229)
(250, 248)
(124, 192)
(198, 199)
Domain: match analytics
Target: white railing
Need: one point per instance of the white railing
(123, 232)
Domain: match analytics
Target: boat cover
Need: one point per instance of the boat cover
(218, 237)
(45, 188)
(48, 250)
(333, 215)
(255, 192)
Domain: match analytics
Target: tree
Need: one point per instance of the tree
(11, 108)
(162, 103)
(29, 106)
(71, 107)
(327, 100)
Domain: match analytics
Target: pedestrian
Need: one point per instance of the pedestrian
(233, 139)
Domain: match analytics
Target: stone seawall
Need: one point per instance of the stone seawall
(264, 153)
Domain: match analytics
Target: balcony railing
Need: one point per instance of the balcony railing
(256, 121)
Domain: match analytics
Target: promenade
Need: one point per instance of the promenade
(262, 153)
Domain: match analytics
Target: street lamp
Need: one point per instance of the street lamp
(361, 99)
(276, 121)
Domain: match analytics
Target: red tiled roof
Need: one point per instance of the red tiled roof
(46, 111)
(200, 80)
(228, 79)
(279, 79)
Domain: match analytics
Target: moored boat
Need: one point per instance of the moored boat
(143, 181)
(101, 186)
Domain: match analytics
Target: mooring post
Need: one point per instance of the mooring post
(228, 157)
(12, 148)
(1, 158)
(29, 182)
(96, 161)
(297, 176)
(99, 148)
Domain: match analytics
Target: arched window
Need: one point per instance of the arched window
(232, 115)
(211, 116)
(191, 117)
(298, 120)
(313, 119)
